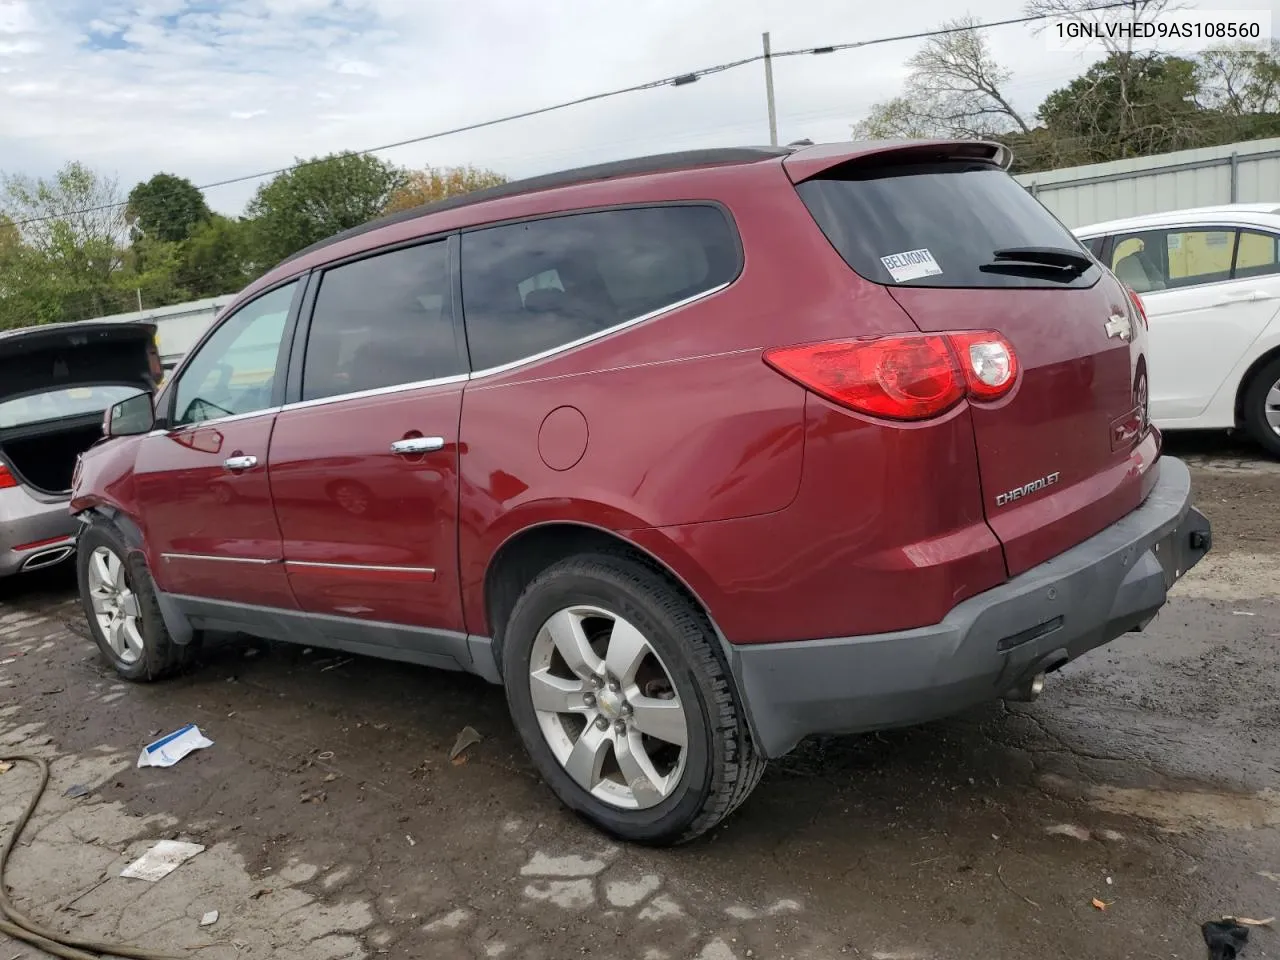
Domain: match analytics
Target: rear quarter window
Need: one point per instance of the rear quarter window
(953, 215)
(531, 287)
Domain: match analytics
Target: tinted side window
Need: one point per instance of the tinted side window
(381, 322)
(1258, 254)
(531, 287)
(235, 369)
(1170, 259)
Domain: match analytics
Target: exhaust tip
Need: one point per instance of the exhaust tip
(1027, 691)
(46, 558)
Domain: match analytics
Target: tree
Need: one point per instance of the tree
(955, 88)
(166, 207)
(72, 227)
(217, 257)
(1243, 85)
(1120, 109)
(318, 198)
(431, 184)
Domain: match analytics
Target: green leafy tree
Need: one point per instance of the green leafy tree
(166, 207)
(1117, 110)
(217, 257)
(72, 228)
(318, 198)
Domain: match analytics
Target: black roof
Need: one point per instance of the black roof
(656, 163)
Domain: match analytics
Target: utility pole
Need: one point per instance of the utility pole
(768, 92)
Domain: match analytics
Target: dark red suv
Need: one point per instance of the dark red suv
(695, 454)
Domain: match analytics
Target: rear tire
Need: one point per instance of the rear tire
(119, 601)
(1262, 407)
(650, 674)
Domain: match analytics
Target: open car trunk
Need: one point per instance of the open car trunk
(44, 455)
(56, 382)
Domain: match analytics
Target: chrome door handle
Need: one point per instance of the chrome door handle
(417, 445)
(240, 463)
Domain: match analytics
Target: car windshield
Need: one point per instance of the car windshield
(60, 404)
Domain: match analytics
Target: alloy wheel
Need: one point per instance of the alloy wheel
(1271, 407)
(607, 707)
(115, 605)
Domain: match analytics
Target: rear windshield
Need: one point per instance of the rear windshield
(937, 225)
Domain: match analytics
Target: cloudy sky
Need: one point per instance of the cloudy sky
(211, 89)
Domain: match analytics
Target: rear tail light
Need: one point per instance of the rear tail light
(7, 479)
(1138, 307)
(911, 377)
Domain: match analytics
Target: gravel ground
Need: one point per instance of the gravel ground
(335, 825)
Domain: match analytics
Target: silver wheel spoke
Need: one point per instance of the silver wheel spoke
(627, 649)
(588, 756)
(569, 638)
(661, 719)
(556, 694)
(99, 566)
(115, 636)
(132, 639)
(117, 571)
(638, 771)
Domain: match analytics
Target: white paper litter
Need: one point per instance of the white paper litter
(167, 751)
(161, 860)
(209, 919)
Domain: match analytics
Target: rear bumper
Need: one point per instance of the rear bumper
(33, 530)
(988, 645)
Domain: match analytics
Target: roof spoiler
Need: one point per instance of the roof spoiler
(809, 162)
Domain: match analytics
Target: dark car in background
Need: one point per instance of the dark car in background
(56, 383)
(696, 454)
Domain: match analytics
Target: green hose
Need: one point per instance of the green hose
(23, 928)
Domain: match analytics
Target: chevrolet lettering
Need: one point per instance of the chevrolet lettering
(1017, 493)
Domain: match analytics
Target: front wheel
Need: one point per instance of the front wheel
(119, 600)
(617, 686)
(1262, 407)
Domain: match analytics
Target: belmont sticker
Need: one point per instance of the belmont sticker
(911, 265)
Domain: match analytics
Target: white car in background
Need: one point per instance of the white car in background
(1209, 280)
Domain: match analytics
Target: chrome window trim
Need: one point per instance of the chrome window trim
(205, 556)
(358, 566)
(376, 392)
(186, 427)
(599, 334)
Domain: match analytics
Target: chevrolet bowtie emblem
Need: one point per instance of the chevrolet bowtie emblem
(1118, 325)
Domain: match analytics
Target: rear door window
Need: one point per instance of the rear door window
(1257, 254)
(937, 225)
(384, 321)
(528, 288)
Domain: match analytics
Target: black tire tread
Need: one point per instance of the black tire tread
(1255, 397)
(741, 766)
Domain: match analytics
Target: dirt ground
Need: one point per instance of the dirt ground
(335, 825)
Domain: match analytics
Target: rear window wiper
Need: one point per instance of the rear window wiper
(1063, 258)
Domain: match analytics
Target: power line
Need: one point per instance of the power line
(674, 81)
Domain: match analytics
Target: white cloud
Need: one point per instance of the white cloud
(135, 86)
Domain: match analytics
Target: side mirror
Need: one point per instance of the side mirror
(131, 417)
